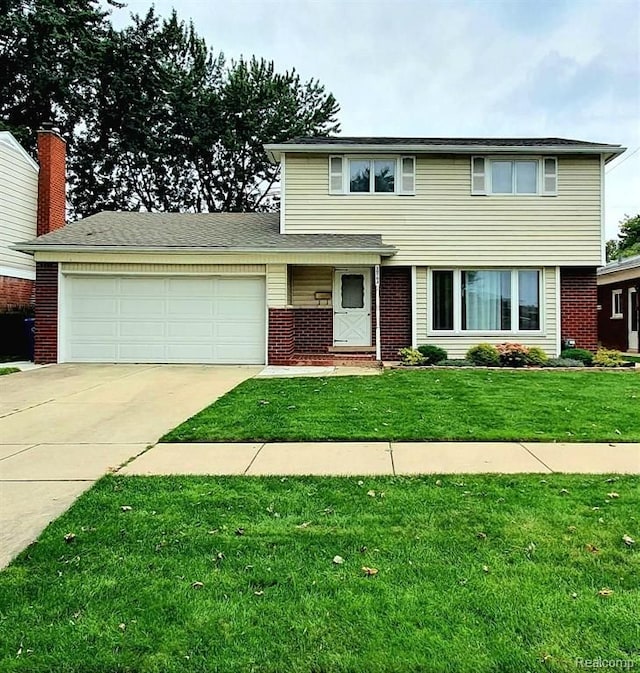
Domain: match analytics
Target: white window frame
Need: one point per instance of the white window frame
(457, 304)
(616, 297)
(487, 174)
(346, 175)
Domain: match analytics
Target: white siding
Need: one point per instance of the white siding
(457, 345)
(277, 286)
(443, 224)
(18, 204)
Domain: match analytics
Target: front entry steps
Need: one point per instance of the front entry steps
(358, 359)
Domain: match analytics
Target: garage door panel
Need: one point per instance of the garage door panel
(164, 319)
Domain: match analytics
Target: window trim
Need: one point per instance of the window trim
(457, 303)
(615, 315)
(346, 174)
(486, 174)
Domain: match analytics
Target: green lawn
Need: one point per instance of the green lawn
(8, 370)
(426, 405)
(475, 574)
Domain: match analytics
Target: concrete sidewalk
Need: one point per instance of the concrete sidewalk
(379, 458)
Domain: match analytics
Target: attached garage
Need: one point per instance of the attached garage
(163, 319)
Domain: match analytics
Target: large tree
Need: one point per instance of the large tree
(155, 119)
(49, 52)
(628, 241)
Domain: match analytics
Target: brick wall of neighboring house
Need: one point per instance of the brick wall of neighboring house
(15, 292)
(46, 335)
(614, 332)
(395, 310)
(313, 330)
(281, 336)
(51, 182)
(579, 306)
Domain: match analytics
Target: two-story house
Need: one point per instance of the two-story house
(380, 243)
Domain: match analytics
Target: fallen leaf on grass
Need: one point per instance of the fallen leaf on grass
(69, 537)
(564, 491)
(369, 572)
(304, 524)
(239, 531)
(485, 569)
(613, 495)
(481, 536)
(126, 508)
(371, 494)
(605, 593)
(197, 585)
(258, 593)
(338, 560)
(122, 626)
(629, 541)
(592, 548)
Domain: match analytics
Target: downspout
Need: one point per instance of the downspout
(377, 284)
(414, 308)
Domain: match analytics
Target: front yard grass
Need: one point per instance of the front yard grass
(471, 405)
(474, 574)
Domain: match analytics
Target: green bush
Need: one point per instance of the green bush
(513, 355)
(581, 354)
(410, 357)
(484, 355)
(537, 357)
(563, 362)
(606, 357)
(432, 355)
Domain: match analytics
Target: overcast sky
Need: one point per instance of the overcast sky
(567, 68)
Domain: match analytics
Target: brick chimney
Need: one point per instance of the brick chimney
(52, 202)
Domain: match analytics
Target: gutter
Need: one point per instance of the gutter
(609, 151)
(387, 251)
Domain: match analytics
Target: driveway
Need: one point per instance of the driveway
(62, 427)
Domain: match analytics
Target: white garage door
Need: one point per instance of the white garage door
(163, 319)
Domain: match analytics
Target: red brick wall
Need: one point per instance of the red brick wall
(579, 306)
(313, 330)
(281, 336)
(15, 292)
(395, 310)
(51, 182)
(46, 337)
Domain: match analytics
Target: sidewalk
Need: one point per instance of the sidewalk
(380, 458)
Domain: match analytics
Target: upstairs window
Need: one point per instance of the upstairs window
(514, 176)
(395, 175)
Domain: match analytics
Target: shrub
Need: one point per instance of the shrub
(410, 357)
(484, 355)
(581, 354)
(536, 356)
(563, 362)
(513, 355)
(432, 355)
(455, 363)
(606, 357)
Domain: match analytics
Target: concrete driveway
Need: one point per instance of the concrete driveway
(62, 427)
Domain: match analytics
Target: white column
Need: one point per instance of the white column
(377, 283)
(414, 308)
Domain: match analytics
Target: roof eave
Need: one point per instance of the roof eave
(384, 251)
(275, 150)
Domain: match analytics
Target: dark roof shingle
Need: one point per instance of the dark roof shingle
(216, 231)
(462, 142)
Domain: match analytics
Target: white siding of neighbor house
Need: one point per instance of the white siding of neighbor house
(18, 205)
(443, 224)
(457, 345)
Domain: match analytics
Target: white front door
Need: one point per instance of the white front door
(633, 319)
(352, 307)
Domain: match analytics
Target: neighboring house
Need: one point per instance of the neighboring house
(18, 204)
(380, 243)
(29, 206)
(618, 316)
